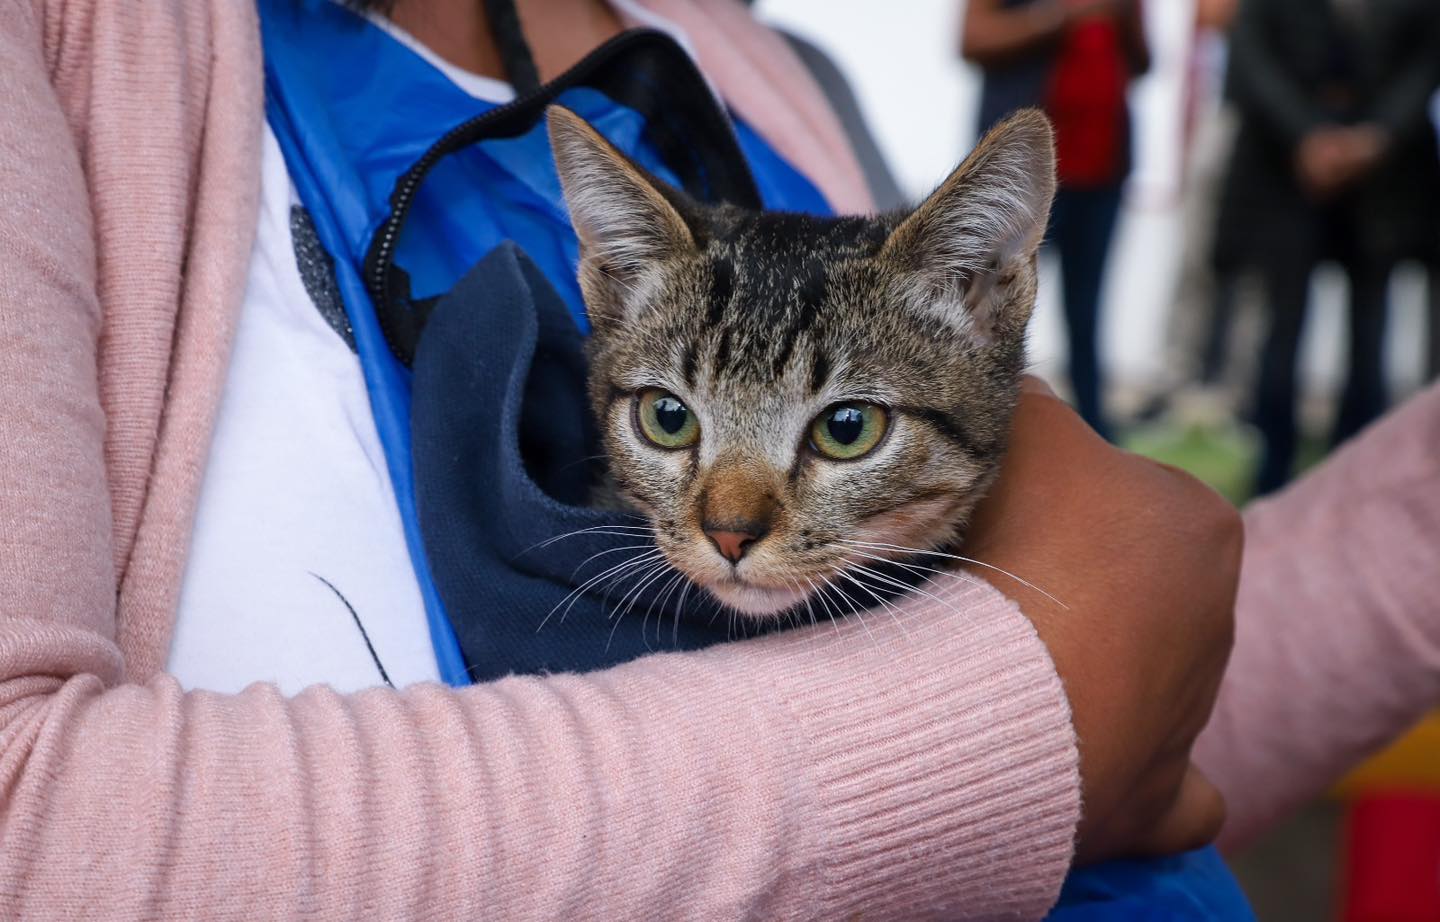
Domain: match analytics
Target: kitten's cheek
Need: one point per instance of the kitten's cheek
(918, 524)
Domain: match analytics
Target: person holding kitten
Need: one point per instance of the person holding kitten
(952, 762)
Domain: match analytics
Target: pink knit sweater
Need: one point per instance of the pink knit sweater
(925, 769)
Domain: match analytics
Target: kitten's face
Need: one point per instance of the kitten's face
(786, 397)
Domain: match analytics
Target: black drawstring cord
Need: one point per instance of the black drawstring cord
(515, 52)
(364, 634)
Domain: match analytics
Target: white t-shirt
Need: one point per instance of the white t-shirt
(298, 571)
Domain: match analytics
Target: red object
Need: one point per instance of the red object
(1086, 102)
(1392, 859)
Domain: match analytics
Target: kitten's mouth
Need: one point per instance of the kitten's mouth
(753, 600)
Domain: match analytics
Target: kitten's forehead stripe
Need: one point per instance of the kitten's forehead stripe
(722, 288)
(819, 370)
(689, 366)
(721, 359)
(811, 298)
(812, 286)
(757, 318)
(782, 356)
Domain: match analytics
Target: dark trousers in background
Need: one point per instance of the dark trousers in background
(1215, 349)
(1432, 353)
(1081, 226)
(1287, 291)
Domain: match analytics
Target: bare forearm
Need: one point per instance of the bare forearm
(992, 35)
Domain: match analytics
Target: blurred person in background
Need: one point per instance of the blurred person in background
(1206, 299)
(1334, 159)
(1432, 358)
(1074, 59)
(1198, 335)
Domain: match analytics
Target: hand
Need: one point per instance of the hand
(1145, 560)
(1056, 16)
(1331, 158)
(1363, 147)
(1319, 162)
(1077, 10)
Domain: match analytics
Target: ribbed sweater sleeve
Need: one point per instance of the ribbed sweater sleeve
(1337, 622)
(923, 770)
(915, 767)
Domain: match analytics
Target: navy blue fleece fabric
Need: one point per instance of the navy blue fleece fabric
(505, 454)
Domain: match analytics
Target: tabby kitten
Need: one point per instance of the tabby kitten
(785, 397)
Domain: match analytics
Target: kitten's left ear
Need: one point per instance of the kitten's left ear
(975, 237)
(625, 224)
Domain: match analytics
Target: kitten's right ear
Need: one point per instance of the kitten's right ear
(972, 243)
(625, 224)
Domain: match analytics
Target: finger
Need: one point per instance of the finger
(1193, 820)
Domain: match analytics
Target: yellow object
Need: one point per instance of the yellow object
(1413, 762)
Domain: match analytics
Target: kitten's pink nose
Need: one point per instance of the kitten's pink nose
(732, 545)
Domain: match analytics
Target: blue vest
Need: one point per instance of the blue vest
(455, 262)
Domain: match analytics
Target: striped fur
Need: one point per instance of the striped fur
(760, 321)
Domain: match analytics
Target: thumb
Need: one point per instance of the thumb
(1193, 820)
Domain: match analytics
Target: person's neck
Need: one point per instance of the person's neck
(560, 32)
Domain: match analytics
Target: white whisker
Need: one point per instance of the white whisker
(885, 606)
(659, 603)
(856, 610)
(809, 604)
(633, 531)
(654, 573)
(641, 580)
(919, 569)
(613, 550)
(835, 615)
(575, 593)
(906, 586)
(679, 609)
(979, 563)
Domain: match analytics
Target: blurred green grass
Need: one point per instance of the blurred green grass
(1222, 454)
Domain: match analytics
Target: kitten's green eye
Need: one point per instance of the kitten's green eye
(665, 420)
(848, 430)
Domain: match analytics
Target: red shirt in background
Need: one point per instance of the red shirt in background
(1086, 101)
